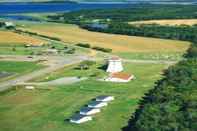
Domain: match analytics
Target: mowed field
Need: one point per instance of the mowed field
(8, 37)
(11, 69)
(41, 110)
(118, 43)
(177, 22)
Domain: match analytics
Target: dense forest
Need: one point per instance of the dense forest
(172, 104)
(134, 13)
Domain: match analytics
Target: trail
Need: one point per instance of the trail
(53, 64)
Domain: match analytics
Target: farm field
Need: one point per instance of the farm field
(118, 43)
(10, 69)
(176, 22)
(47, 109)
(8, 37)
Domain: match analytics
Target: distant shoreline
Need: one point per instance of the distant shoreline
(129, 2)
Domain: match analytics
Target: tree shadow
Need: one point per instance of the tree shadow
(103, 67)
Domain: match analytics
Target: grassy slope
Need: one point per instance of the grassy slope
(178, 22)
(41, 110)
(17, 68)
(7, 37)
(119, 43)
(130, 47)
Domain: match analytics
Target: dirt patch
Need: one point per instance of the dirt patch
(177, 22)
(11, 37)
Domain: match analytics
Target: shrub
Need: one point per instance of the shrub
(102, 49)
(83, 45)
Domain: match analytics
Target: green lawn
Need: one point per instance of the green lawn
(17, 68)
(175, 56)
(20, 49)
(41, 110)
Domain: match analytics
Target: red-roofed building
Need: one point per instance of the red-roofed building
(119, 77)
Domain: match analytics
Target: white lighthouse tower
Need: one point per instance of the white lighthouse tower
(114, 65)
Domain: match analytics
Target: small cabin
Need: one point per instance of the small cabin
(50, 51)
(78, 119)
(89, 111)
(97, 104)
(9, 24)
(30, 87)
(105, 98)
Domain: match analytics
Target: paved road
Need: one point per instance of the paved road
(53, 64)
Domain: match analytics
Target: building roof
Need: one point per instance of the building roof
(86, 109)
(95, 103)
(102, 97)
(77, 117)
(121, 75)
(115, 58)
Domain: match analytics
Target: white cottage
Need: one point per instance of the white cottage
(104, 98)
(78, 118)
(97, 104)
(89, 111)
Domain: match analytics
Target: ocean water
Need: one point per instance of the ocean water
(10, 8)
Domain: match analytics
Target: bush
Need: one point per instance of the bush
(85, 65)
(107, 50)
(83, 45)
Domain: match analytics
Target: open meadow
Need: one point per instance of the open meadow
(8, 37)
(122, 45)
(25, 110)
(172, 22)
(10, 69)
(118, 43)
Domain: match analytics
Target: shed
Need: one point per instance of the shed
(97, 104)
(89, 111)
(78, 119)
(104, 98)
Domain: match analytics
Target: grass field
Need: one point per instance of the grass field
(17, 68)
(40, 110)
(119, 43)
(177, 22)
(8, 37)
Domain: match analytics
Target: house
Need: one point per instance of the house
(119, 77)
(114, 65)
(97, 104)
(30, 87)
(104, 98)
(89, 111)
(78, 118)
(97, 25)
(9, 24)
(50, 51)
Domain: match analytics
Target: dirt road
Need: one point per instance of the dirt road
(54, 63)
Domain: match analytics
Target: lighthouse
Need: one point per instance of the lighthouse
(114, 65)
